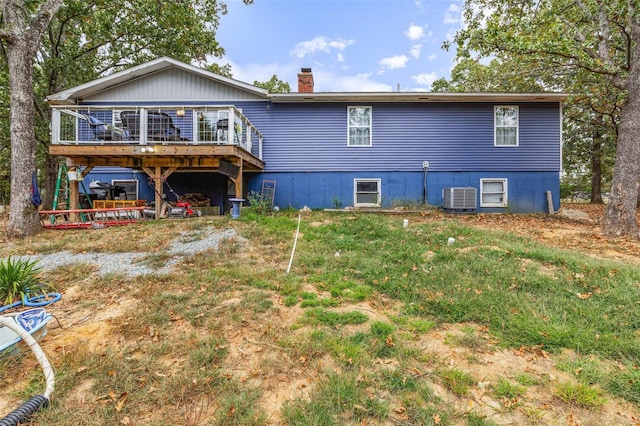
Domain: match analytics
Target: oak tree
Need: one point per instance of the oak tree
(596, 37)
(22, 26)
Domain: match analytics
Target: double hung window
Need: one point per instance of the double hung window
(359, 126)
(506, 125)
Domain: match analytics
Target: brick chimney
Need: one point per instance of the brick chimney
(305, 81)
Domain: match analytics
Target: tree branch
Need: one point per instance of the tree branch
(46, 13)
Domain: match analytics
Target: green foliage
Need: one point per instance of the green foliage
(337, 397)
(334, 319)
(259, 203)
(625, 383)
(505, 389)
(475, 419)
(394, 380)
(525, 379)
(275, 85)
(86, 40)
(580, 395)
(19, 280)
(381, 330)
(209, 353)
(239, 407)
(457, 381)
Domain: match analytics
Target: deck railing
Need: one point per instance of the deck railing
(206, 125)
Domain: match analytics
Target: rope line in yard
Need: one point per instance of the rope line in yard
(295, 242)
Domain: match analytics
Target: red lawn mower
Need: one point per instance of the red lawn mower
(180, 209)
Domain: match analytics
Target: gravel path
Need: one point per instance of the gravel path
(187, 244)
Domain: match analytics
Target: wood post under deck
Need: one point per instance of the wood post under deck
(238, 179)
(158, 179)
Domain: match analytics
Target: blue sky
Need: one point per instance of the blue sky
(351, 45)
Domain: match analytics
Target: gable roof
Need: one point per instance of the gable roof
(70, 96)
(73, 95)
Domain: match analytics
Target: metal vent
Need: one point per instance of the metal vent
(460, 199)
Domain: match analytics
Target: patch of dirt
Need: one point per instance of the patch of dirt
(488, 364)
(557, 230)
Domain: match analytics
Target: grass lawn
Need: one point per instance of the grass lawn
(375, 324)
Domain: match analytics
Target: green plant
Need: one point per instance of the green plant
(337, 204)
(209, 353)
(580, 395)
(259, 203)
(525, 379)
(505, 389)
(457, 381)
(475, 419)
(334, 319)
(381, 330)
(19, 280)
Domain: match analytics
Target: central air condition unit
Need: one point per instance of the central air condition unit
(460, 199)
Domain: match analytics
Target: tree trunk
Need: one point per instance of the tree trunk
(620, 215)
(21, 29)
(596, 168)
(23, 219)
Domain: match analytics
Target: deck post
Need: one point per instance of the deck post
(74, 199)
(239, 180)
(158, 178)
(157, 184)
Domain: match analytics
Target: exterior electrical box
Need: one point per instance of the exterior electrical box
(460, 199)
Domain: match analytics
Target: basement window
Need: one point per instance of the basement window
(366, 193)
(493, 193)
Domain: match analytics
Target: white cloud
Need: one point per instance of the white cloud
(249, 73)
(319, 44)
(452, 14)
(358, 83)
(426, 79)
(340, 57)
(394, 62)
(432, 56)
(415, 32)
(415, 50)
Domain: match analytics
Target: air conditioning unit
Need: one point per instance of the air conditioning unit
(460, 199)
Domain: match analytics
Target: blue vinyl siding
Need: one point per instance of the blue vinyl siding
(305, 150)
(526, 191)
(452, 137)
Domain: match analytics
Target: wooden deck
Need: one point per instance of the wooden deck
(158, 155)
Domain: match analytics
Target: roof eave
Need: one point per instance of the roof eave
(415, 97)
(72, 95)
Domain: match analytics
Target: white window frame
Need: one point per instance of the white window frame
(115, 182)
(496, 126)
(370, 126)
(504, 192)
(378, 183)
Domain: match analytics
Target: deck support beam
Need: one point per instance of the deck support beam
(74, 199)
(158, 177)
